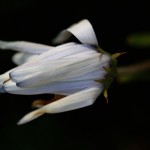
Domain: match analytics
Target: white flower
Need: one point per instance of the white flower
(70, 69)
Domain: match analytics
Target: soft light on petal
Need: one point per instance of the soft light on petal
(75, 101)
(63, 88)
(82, 30)
(21, 58)
(30, 116)
(55, 70)
(26, 47)
(61, 51)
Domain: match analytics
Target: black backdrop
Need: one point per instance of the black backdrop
(123, 123)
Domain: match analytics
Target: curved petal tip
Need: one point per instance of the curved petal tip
(82, 30)
(30, 116)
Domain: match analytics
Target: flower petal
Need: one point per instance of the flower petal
(65, 50)
(21, 58)
(55, 70)
(30, 116)
(63, 88)
(93, 75)
(24, 46)
(75, 101)
(82, 30)
(4, 77)
(62, 51)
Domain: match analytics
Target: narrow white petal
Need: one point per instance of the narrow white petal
(24, 46)
(82, 30)
(63, 51)
(93, 75)
(63, 88)
(30, 116)
(66, 50)
(58, 52)
(75, 101)
(21, 58)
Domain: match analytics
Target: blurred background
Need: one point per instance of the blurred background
(123, 123)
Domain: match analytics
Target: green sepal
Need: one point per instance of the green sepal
(111, 71)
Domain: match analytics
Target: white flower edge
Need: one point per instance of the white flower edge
(62, 88)
(82, 30)
(25, 46)
(75, 101)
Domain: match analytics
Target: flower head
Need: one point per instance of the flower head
(70, 69)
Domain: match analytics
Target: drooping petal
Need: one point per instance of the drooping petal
(31, 116)
(82, 30)
(24, 46)
(55, 70)
(63, 88)
(75, 101)
(21, 58)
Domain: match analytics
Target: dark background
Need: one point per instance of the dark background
(123, 123)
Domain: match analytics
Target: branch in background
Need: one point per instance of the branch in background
(138, 71)
(139, 40)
